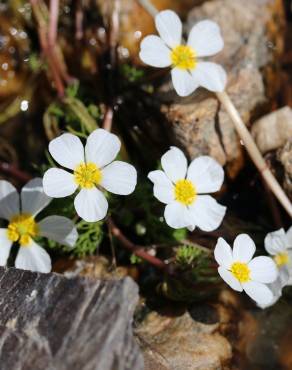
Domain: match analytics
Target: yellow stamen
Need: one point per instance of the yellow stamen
(87, 175)
(281, 259)
(240, 271)
(22, 228)
(183, 57)
(185, 192)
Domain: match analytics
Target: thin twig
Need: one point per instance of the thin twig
(14, 172)
(149, 7)
(137, 250)
(53, 22)
(108, 119)
(254, 152)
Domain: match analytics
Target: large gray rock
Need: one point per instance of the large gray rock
(51, 322)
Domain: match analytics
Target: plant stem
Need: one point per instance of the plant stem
(149, 7)
(14, 172)
(254, 152)
(137, 250)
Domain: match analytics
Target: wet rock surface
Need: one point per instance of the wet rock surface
(253, 36)
(52, 322)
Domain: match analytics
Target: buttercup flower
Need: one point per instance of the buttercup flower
(279, 245)
(184, 190)
(189, 70)
(242, 272)
(93, 168)
(20, 212)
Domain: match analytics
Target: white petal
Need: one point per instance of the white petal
(177, 215)
(276, 289)
(206, 173)
(169, 27)
(5, 246)
(154, 52)
(289, 237)
(174, 164)
(283, 275)
(119, 178)
(163, 188)
(207, 214)
(209, 75)
(58, 183)
(205, 38)
(59, 229)
(259, 292)
(33, 197)
(9, 200)
(223, 253)
(91, 205)
(243, 248)
(229, 279)
(67, 150)
(276, 242)
(34, 258)
(102, 147)
(183, 82)
(263, 269)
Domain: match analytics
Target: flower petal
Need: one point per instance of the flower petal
(276, 289)
(183, 82)
(276, 242)
(163, 188)
(229, 279)
(91, 205)
(154, 52)
(243, 248)
(263, 269)
(102, 147)
(283, 275)
(205, 38)
(209, 75)
(119, 178)
(207, 214)
(59, 229)
(67, 150)
(177, 215)
(9, 200)
(34, 258)
(5, 247)
(58, 183)
(289, 237)
(174, 164)
(33, 197)
(169, 27)
(206, 173)
(259, 292)
(223, 253)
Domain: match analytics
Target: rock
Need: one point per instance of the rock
(284, 155)
(51, 322)
(194, 338)
(252, 31)
(273, 130)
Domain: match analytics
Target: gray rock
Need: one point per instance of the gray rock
(51, 322)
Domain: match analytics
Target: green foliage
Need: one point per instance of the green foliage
(142, 213)
(187, 255)
(132, 74)
(135, 259)
(90, 237)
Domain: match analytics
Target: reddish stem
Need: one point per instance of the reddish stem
(108, 119)
(137, 250)
(14, 172)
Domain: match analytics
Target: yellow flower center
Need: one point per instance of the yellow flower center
(183, 57)
(281, 259)
(22, 228)
(87, 175)
(240, 271)
(185, 192)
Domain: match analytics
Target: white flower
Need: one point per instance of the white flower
(242, 272)
(279, 245)
(93, 168)
(184, 190)
(20, 212)
(189, 70)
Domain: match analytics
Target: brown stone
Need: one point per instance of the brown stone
(284, 155)
(252, 31)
